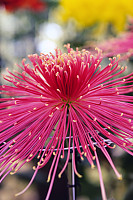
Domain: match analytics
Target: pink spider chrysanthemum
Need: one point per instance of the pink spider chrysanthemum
(120, 45)
(64, 97)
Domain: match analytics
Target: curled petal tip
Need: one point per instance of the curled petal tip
(92, 166)
(79, 175)
(48, 179)
(16, 195)
(59, 175)
(120, 177)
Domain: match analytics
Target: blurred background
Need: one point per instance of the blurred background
(39, 26)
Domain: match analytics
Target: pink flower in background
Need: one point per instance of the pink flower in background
(120, 45)
(59, 98)
(12, 5)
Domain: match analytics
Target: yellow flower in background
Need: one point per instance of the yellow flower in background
(89, 12)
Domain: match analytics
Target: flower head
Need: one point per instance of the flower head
(123, 44)
(64, 100)
(12, 5)
(89, 12)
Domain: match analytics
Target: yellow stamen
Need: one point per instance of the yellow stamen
(94, 157)
(59, 175)
(51, 114)
(92, 166)
(119, 177)
(129, 120)
(124, 144)
(114, 146)
(11, 173)
(79, 175)
(48, 179)
(82, 158)
(74, 120)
